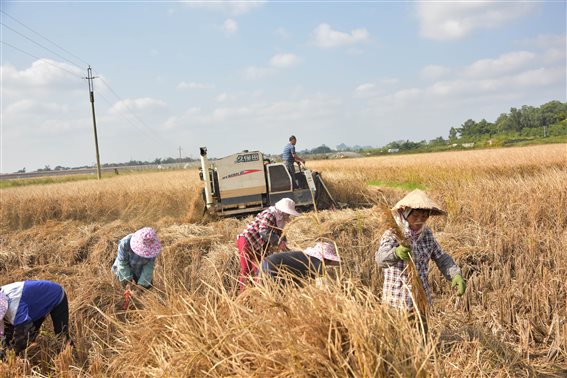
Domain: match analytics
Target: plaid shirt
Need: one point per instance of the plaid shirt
(397, 286)
(262, 230)
(129, 265)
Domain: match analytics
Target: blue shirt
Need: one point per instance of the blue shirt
(31, 300)
(129, 265)
(288, 152)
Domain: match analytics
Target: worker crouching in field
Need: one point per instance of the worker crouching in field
(296, 266)
(413, 241)
(136, 258)
(263, 232)
(23, 308)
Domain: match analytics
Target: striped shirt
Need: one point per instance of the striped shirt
(263, 231)
(397, 285)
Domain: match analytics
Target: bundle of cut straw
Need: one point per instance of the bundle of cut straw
(419, 297)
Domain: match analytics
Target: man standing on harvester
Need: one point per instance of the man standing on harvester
(290, 158)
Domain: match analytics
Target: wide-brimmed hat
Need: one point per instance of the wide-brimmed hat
(323, 250)
(145, 243)
(419, 200)
(3, 305)
(286, 205)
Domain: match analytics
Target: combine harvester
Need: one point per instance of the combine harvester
(246, 182)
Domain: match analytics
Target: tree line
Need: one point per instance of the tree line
(527, 123)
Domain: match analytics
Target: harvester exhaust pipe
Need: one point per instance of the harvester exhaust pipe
(206, 177)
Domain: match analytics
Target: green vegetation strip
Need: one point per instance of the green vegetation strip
(399, 185)
(43, 180)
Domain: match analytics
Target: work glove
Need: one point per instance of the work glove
(403, 252)
(459, 282)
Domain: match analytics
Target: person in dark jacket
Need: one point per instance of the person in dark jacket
(296, 266)
(23, 308)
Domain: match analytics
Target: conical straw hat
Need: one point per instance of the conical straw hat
(419, 200)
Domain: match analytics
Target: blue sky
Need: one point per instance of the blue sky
(247, 75)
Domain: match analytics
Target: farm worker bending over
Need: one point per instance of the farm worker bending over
(260, 234)
(410, 214)
(136, 258)
(23, 308)
(290, 158)
(298, 265)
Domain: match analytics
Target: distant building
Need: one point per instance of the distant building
(468, 145)
(393, 150)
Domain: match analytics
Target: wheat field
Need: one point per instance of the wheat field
(506, 227)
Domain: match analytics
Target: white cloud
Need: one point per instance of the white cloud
(525, 81)
(389, 80)
(260, 113)
(285, 60)
(504, 64)
(554, 56)
(434, 72)
(325, 37)
(547, 41)
(234, 8)
(137, 104)
(365, 90)
(230, 26)
(221, 97)
(280, 112)
(407, 94)
(539, 77)
(457, 20)
(282, 33)
(554, 47)
(44, 73)
(254, 73)
(193, 85)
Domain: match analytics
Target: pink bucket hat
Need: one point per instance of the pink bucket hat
(3, 309)
(286, 205)
(323, 250)
(3, 305)
(145, 243)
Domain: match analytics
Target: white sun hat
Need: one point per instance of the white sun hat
(323, 250)
(419, 200)
(286, 205)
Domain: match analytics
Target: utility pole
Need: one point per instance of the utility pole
(91, 93)
(180, 149)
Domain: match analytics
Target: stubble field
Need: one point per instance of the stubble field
(506, 227)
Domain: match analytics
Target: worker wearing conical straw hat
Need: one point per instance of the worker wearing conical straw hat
(413, 239)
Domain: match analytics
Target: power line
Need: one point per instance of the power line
(44, 37)
(37, 43)
(152, 133)
(131, 111)
(38, 58)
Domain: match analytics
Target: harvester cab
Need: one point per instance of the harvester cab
(247, 182)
